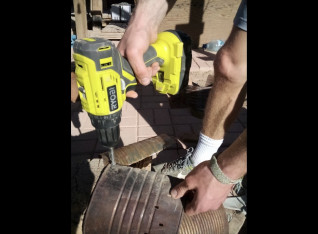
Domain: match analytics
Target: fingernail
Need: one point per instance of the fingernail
(173, 193)
(145, 81)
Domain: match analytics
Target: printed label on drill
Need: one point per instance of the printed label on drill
(112, 97)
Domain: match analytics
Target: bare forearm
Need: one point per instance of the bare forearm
(142, 30)
(149, 14)
(233, 160)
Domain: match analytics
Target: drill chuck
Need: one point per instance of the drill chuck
(107, 127)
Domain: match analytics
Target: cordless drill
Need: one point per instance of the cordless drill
(104, 76)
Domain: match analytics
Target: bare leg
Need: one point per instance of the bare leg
(227, 95)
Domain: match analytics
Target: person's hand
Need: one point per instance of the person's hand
(209, 193)
(132, 46)
(141, 32)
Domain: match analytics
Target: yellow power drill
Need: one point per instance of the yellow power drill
(104, 76)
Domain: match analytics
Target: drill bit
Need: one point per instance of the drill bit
(112, 155)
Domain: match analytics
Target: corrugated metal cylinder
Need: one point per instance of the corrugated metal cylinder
(132, 200)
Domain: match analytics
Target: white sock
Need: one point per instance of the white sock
(205, 148)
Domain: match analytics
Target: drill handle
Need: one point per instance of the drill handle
(149, 58)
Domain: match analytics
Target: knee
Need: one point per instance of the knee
(228, 68)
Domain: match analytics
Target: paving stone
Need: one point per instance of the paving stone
(180, 130)
(89, 135)
(83, 134)
(96, 165)
(147, 90)
(155, 130)
(135, 102)
(148, 105)
(164, 130)
(138, 88)
(146, 131)
(222, 148)
(99, 148)
(162, 116)
(160, 94)
(185, 119)
(236, 127)
(128, 122)
(155, 99)
(204, 67)
(196, 128)
(210, 64)
(81, 120)
(75, 132)
(128, 135)
(83, 147)
(128, 110)
(202, 78)
(145, 117)
(230, 138)
(194, 66)
(242, 117)
(180, 111)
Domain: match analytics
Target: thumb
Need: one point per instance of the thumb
(155, 68)
(180, 189)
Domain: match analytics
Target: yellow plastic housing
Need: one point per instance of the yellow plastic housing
(168, 47)
(97, 85)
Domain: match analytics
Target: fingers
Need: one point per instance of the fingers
(193, 209)
(144, 74)
(201, 203)
(135, 58)
(131, 94)
(180, 189)
(197, 204)
(155, 68)
(136, 61)
(190, 208)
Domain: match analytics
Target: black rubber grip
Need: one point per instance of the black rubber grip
(149, 58)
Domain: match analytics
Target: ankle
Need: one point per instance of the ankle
(205, 148)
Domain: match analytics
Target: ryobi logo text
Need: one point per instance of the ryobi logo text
(112, 97)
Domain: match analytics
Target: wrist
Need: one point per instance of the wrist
(219, 174)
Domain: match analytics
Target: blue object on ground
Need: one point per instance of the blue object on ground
(73, 38)
(213, 45)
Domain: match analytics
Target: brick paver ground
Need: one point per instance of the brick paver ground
(147, 116)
